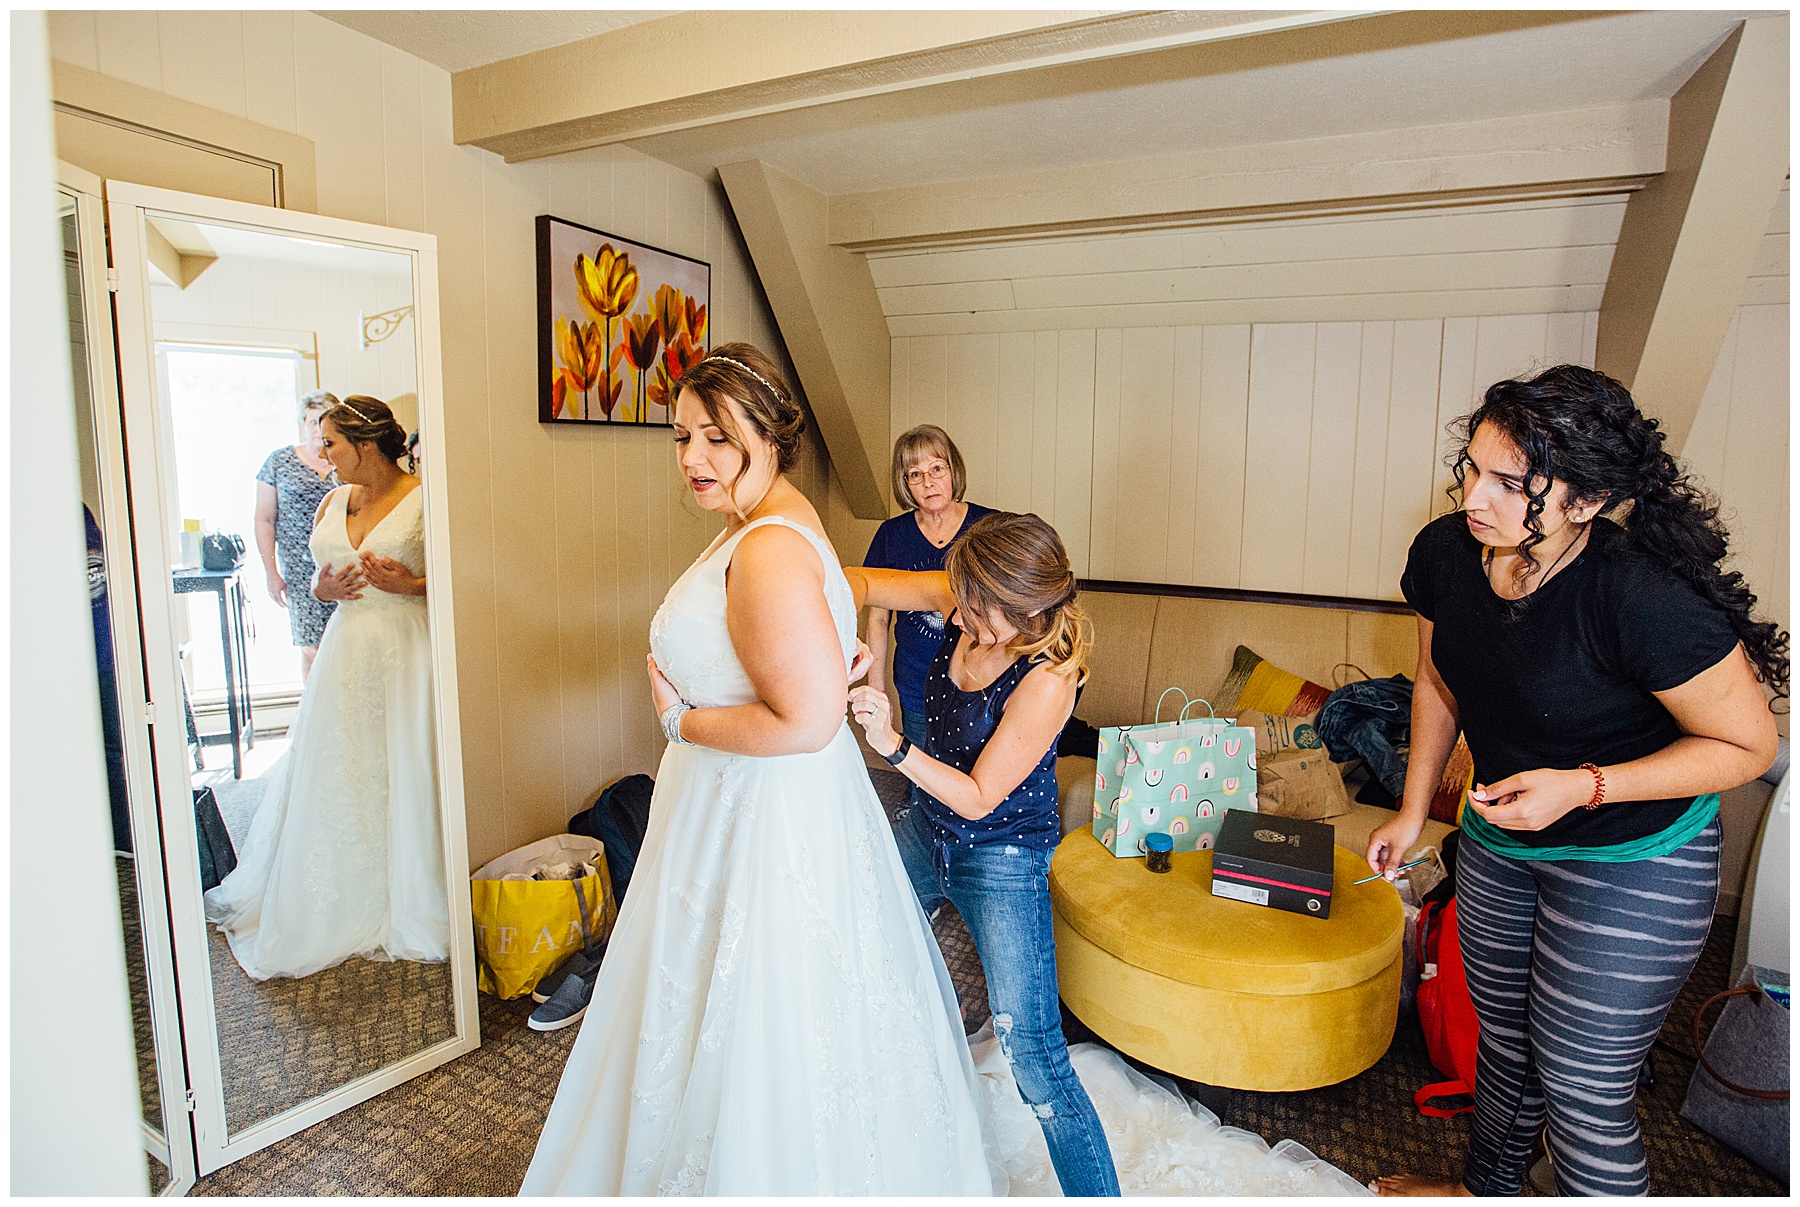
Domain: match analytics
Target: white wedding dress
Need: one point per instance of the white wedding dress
(1162, 1144)
(345, 854)
(773, 1015)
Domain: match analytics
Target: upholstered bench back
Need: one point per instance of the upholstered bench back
(1146, 643)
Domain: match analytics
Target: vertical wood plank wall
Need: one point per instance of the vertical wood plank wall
(1304, 457)
(1739, 441)
(1262, 405)
(563, 540)
(1298, 457)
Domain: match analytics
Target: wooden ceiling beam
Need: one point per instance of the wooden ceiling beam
(824, 301)
(178, 250)
(706, 67)
(1690, 237)
(1540, 155)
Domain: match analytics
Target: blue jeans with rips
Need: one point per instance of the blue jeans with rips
(1002, 892)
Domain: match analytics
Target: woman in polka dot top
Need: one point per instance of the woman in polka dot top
(1000, 689)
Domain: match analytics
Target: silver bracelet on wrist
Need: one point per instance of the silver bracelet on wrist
(671, 721)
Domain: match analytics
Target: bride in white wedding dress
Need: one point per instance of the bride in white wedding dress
(345, 852)
(773, 1015)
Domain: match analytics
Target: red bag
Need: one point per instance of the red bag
(1445, 1012)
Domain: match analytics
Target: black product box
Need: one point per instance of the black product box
(1276, 861)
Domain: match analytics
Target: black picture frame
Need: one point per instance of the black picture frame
(584, 309)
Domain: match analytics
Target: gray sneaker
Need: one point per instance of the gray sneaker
(567, 1004)
(579, 964)
(1542, 1174)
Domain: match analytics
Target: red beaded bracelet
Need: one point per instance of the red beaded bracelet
(1599, 786)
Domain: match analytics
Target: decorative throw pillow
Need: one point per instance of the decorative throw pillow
(1279, 705)
(1256, 683)
(1459, 777)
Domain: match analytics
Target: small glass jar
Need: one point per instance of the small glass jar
(1156, 852)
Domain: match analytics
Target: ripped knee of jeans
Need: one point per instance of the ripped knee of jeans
(1003, 1024)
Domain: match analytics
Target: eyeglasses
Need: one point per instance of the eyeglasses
(934, 472)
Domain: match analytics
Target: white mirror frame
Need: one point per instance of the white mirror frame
(134, 721)
(127, 207)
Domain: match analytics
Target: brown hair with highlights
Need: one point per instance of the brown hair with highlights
(364, 420)
(1016, 565)
(742, 373)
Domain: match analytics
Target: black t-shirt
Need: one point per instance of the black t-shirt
(1567, 678)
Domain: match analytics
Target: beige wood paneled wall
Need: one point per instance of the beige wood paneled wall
(564, 540)
(1524, 257)
(1739, 442)
(1298, 457)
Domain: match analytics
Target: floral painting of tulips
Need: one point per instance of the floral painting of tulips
(618, 324)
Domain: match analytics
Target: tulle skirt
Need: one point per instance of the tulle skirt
(345, 854)
(1162, 1144)
(773, 1015)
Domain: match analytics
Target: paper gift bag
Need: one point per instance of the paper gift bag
(1302, 784)
(1176, 779)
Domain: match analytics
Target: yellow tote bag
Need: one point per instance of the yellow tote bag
(524, 928)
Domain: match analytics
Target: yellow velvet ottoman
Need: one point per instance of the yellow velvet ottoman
(1220, 991)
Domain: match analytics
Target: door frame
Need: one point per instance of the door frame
(174, 1144)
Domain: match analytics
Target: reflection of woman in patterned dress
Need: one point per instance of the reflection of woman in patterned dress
(289, 488)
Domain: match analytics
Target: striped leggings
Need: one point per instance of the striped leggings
(1572, 966)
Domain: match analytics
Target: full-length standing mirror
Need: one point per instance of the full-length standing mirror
(294, 575)
(119, 685)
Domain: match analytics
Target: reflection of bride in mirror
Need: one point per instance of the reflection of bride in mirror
(345, 853)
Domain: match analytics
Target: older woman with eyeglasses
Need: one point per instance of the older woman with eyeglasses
(929, 481)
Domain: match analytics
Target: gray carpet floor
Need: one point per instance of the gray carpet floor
(138, 983)
(285, 1041)
(469, 1127)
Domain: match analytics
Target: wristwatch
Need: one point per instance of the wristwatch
(900, 753)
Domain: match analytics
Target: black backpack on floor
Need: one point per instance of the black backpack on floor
(217, 858)
(618, 818)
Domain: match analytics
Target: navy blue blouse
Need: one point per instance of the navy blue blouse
(899, 545)
(958, 725)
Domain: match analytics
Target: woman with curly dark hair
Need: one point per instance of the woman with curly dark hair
(1576, 624)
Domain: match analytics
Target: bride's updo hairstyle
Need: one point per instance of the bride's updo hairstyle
(742, 373)
(364, 420)
(1015, 565)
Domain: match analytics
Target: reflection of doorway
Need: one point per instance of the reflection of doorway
(232, 405)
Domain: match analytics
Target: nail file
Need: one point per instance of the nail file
(1378, 875)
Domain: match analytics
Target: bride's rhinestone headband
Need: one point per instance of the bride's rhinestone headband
(746, 368)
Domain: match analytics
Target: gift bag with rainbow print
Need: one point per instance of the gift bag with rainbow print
(1176, 779)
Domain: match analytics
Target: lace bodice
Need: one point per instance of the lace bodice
(689, 635)
(400, 534)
